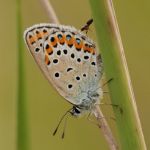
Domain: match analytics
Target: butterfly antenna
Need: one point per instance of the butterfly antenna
(65, 124)
(105, 83)
(86, 26)
(55, 131)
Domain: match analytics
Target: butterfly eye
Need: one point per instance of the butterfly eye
(77, 110)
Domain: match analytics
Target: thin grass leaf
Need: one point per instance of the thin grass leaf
(22, 131)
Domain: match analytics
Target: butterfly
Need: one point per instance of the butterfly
(70, 61)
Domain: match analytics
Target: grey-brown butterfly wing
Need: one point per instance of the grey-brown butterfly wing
(67, 58)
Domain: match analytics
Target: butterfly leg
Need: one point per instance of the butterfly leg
(108, 81)
(114, 106)
(97, 124)
(93, 121)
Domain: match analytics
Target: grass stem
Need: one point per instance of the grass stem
(115, 66)
(22, 141)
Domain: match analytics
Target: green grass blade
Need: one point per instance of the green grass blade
(22, 131)
(127, 120)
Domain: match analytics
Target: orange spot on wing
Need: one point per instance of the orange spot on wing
(54, 43)
(88, 48)
(70, 42)
(32, 40)
(49, 50)
(47, 61)
(78, 46)
(45, 32)
(39, 35)
(93, 51)
(62, 40)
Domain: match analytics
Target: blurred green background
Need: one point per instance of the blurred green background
(44, 105)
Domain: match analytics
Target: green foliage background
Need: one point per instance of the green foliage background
(44, 105)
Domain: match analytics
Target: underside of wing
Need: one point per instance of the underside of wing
(67, 58)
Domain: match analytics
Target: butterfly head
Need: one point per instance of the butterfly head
(76, 111)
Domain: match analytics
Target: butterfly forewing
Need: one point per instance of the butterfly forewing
(67, 57)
